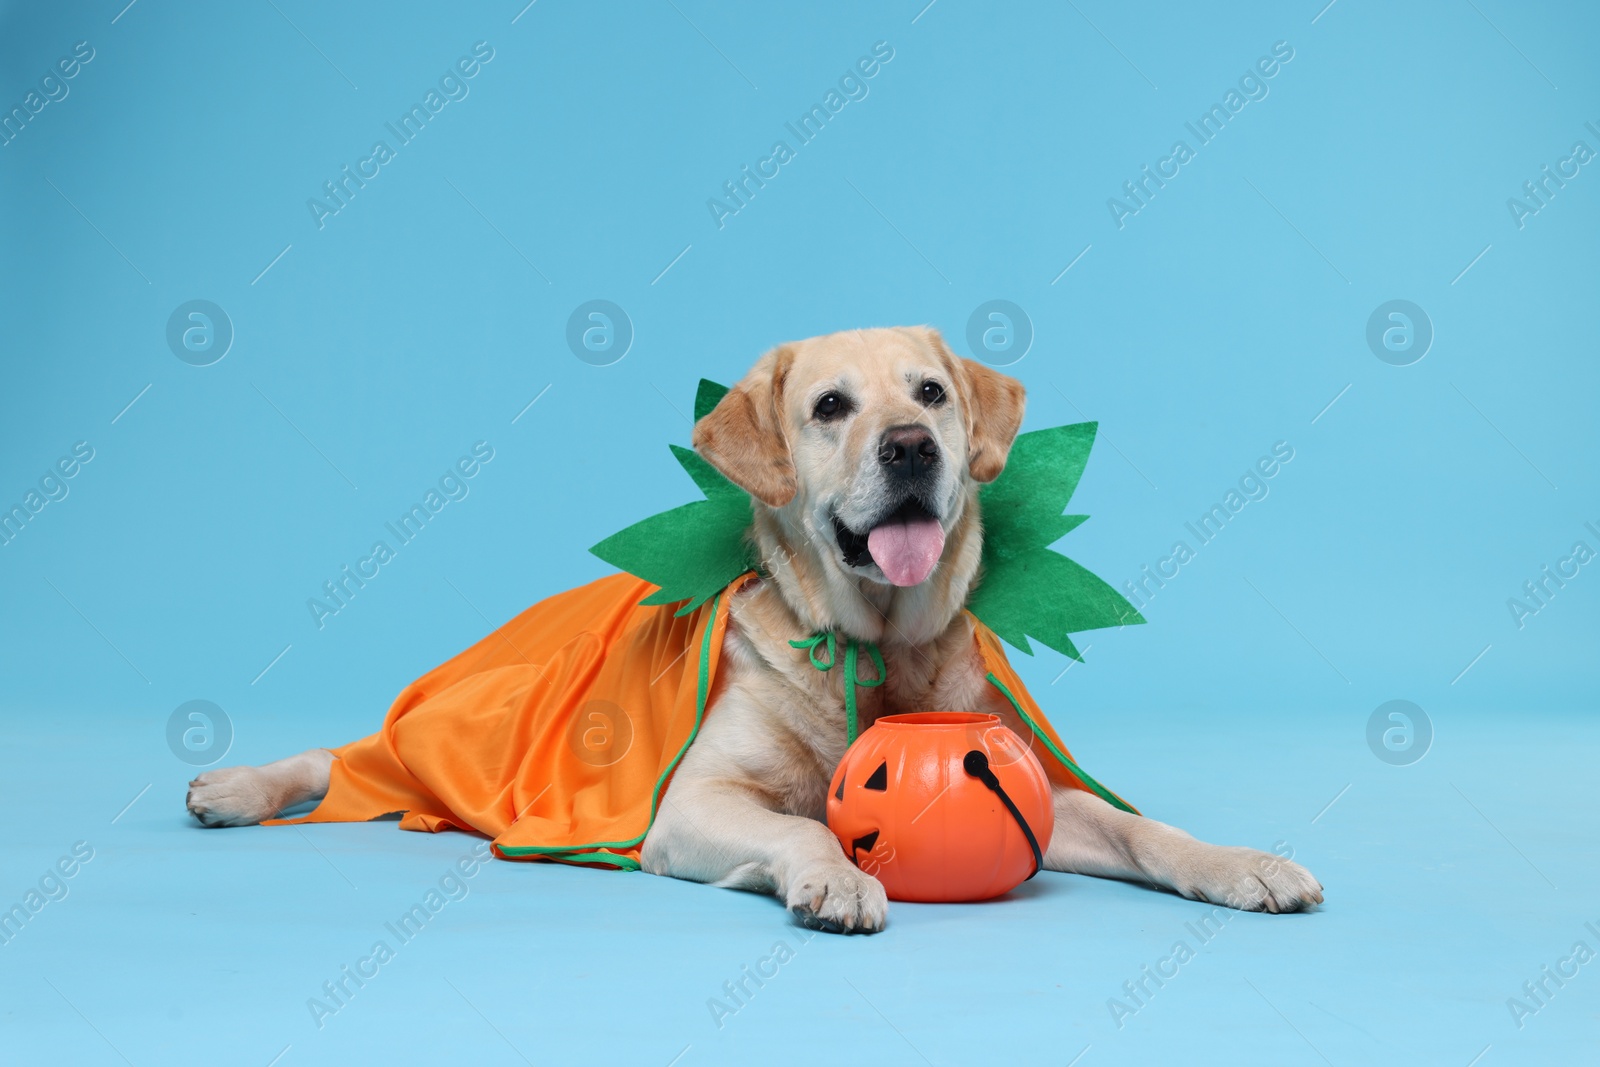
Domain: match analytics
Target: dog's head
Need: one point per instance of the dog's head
(868, 444)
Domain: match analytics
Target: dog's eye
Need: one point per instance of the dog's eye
(830, 406)
(932, 393)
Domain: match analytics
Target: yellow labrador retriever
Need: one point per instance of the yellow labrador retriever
(863, 452)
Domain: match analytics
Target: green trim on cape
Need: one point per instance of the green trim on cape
(1061, 757)
(589, 853)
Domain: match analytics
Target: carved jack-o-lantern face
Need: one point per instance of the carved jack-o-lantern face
(921, 803)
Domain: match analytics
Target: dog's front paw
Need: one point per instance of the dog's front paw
(1247, 879)
(232, 796)
(838, 899)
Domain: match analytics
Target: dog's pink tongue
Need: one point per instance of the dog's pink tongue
(906, 551)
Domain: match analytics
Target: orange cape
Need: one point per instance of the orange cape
(557, 734)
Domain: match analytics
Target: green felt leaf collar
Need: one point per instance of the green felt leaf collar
(1027, 589)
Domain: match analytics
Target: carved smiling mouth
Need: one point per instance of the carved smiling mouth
(905, 544)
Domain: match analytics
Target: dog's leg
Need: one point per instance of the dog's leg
(1092, 837)
(243, 796)
(721, 833)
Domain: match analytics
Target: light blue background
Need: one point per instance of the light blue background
(426, 315)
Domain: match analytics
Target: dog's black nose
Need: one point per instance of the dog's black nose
(908, 451)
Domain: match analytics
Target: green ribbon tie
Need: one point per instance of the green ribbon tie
(852, 677)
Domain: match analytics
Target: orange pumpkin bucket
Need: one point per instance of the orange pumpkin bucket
(942, 806)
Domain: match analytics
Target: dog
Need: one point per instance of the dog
(862, 453)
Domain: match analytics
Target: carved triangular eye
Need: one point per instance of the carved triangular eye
(838, 794)
(879, 780)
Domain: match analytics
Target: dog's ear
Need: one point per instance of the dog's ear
(992, 403)
(743, 436)
(994, 415)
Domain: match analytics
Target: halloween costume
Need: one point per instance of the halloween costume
(557, 734)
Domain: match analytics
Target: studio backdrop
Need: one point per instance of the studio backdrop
(335, 335)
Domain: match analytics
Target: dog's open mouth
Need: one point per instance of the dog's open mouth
(905, 544)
